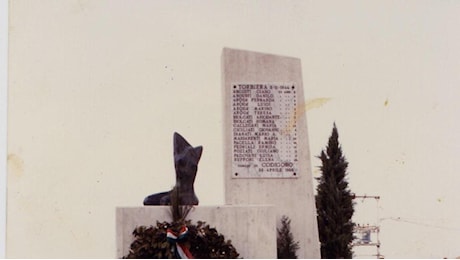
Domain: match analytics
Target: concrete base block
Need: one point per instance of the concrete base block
(251, 228)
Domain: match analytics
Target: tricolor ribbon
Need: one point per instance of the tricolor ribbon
(177, 239)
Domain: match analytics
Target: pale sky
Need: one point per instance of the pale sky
(97, 89)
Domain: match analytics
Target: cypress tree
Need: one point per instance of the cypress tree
(286, 246)
(334, 203)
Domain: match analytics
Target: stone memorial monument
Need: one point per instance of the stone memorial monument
(267, 171)
(267, 158)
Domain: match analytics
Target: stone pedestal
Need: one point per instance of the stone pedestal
(266, 149)
(251, 228)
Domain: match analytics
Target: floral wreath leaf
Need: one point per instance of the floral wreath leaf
(202, 241)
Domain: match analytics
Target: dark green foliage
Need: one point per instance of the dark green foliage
(150, 242)
(285, 246)
(334, 203)
(203, 242)
(206, 242)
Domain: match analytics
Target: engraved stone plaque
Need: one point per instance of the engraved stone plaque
(264, 130)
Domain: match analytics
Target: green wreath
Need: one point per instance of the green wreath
(180, 238)
(202, 242)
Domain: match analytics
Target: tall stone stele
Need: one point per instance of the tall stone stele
(267, 157)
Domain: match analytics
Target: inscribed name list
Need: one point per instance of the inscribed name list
(264, 131)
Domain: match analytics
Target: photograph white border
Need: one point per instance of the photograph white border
(3, 119)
